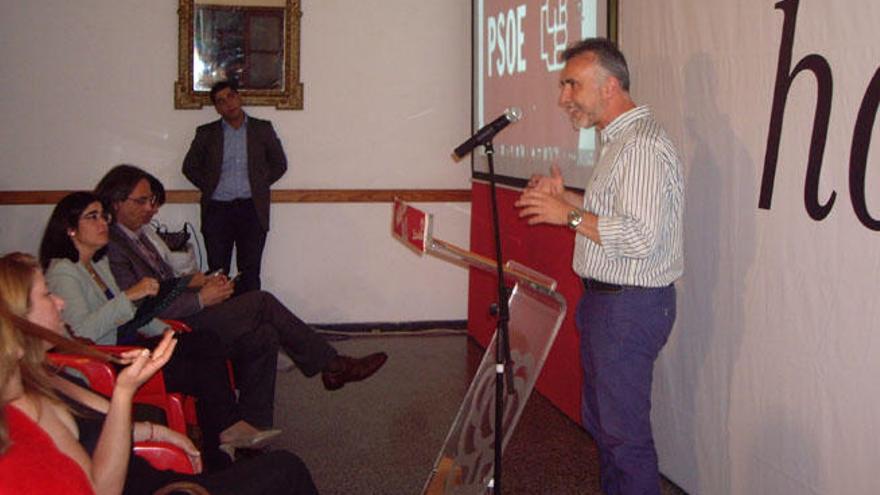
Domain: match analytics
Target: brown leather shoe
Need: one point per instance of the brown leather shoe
(344, 369)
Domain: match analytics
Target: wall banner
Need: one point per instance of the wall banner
(768, 383)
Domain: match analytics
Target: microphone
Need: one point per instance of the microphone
(487, 132)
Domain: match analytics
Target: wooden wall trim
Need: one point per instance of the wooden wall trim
(278, 196)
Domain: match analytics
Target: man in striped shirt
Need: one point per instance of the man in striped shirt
(628, 251)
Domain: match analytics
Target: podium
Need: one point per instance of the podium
(466, 460)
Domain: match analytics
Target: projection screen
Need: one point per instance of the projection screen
(516, 53)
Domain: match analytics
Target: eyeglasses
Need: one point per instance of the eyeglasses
(94, 216)
(144, 200)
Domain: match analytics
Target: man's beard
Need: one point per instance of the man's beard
(580, 120)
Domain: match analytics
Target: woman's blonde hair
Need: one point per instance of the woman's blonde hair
(17, 274)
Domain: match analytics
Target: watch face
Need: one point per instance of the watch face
(575, 218)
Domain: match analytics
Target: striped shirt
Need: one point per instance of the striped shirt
(234, 180)
(637, 191)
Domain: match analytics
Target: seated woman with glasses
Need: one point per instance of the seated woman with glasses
(72, 253)
(56, 439)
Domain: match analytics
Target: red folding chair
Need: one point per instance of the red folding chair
(164, 456)
(180, 409)
(102, 378)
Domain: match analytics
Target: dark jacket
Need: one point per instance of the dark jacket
(266, 162)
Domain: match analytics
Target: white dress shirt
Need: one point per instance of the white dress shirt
(637, 191)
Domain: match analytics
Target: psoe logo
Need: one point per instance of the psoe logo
(554, 34)
(505, 39)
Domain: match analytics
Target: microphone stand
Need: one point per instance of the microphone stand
(502, 344)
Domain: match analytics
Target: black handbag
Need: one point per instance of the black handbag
(176, 241)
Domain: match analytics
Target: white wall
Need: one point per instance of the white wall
(387, 95)
(768, 383)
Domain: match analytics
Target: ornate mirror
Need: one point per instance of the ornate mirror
(254, 43)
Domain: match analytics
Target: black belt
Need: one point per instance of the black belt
(594, 285)
(232, 202)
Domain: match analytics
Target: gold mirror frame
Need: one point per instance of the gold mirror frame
(290, 98)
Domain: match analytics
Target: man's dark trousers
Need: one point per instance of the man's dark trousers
(235, 223)
(268, 324)
(621, 334)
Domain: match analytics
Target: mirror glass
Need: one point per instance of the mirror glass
(240, 42)
(254, 43)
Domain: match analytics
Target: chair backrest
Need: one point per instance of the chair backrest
(100, 376)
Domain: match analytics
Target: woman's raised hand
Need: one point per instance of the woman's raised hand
(144, 364)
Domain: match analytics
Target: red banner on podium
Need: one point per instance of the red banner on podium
(411, 226)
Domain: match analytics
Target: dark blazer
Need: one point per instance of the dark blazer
(129, 267)
(266, 162)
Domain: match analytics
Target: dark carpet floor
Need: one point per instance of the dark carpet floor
(381, 436)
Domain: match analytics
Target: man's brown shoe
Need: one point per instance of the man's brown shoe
(344, 369)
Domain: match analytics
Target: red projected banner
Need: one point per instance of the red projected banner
(517, 53)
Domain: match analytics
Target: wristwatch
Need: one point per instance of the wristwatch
(575, 217)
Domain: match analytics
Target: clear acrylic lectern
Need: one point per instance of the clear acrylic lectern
(466, 460)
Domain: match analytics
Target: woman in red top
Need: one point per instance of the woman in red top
(32, 464)
(39, 449)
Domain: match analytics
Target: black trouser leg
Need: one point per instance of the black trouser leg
(273, 473)
(254, 362)
(309, 351)
(253, 348)
(250, 239)
(198, 368)
(240, 316)
(219, 236)
(229, 224)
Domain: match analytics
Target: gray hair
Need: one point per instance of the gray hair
(610, 58)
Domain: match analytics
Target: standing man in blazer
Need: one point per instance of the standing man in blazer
(233, 161)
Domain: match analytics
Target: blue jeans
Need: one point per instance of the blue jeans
(621, 334)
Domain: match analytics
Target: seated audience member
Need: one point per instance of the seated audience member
(208, 305)
(96, 422)
(37, 426)
(184, 263)
(72, 253)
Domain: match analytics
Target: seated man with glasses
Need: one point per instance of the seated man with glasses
(254, 317)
